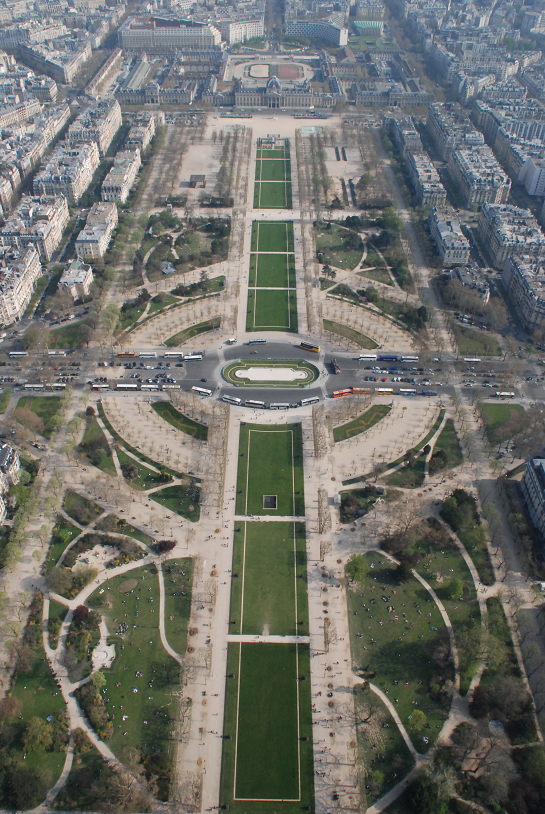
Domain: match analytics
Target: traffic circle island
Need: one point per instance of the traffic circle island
(270, 373)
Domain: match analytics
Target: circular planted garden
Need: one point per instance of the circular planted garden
(270, 373)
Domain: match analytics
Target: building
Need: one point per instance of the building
(472, 277)
(94, 239)
(9, 462)
(68, 172)
(533, 490)
(425, 180)
(233, 31)
(388, 93)
(278, 94)
(479, 177)
(98, 123)
(62, 65)
(19, 112)
(524, 283)
(448, 237)
(138, 33)
(37, 221)
(370, 9)
(450, 129)
(318, 30)
(120, 180)
(141, 133)
(76, 279)
(402, 132)
(18, 274)
(508, 230)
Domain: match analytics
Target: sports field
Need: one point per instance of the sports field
(273, 178)
(267, 761)
(270, 463)
(269, 596)
(272, 301)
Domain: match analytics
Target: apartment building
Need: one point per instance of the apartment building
(448, 237)
(68, 172)
(240, 30)
(450, 129)
(472, 277)
(525, 286)
(62, 65)
(37, 221)
(93, 240)
(19, 271)
(19, 112)
(139, 33)
(318, 29)
(10, 463)
(141, 134)
(120, 180)
(76, 279)
(508, 230)
(479, 177)
(425, 180)
(401, 130)
(98, 123)
(533, 491)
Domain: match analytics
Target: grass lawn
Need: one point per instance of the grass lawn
(68, 337)
(409, 477)
(273, 271)
(34, 413)
(191, 332)
(178, 577)
(93, 436)
(158, 306)
(152, 709)
(357, 503)
(334, 245)
(89, 770)
(475, 343)
(267, 758)
(63, 528)
(273, 170)
(448, 444)
(259, 602)
(132, 315)
(272, 237)
(270, 463)
(181, 499)
(237, 373)
(502, 421)
(122, 527)
(380, 275)
(349, 333)
(279, 152)
(272, 195)
(325, 284)
(361, 423)
(181, 422)
(406, 653)
(41, 285)
(270, 309)
(81, 509)
(4, 398)
(147, 478)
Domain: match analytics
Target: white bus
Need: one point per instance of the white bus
(56, 386)
(170, 387)
(99, 386)
(279, 405)
(255, 404)
(311, 400)
(404, 391)
(471, 359)
(124, 386)
(384, 390)
(232, 400)
(202, 391)
(17, 354)
(193, 357)
(257, 342)
(173, 354)
(153, 387)
(34, 387)
(505, 395)
(367, 357)
(148, 355)
(409, 358)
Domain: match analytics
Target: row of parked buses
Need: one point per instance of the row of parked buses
(388, 391)
(169, 354)
(385, 357)
(132, 388)
(274, 405)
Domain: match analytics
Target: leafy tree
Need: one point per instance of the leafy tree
(26, 787)
(166, 545)
(31, 337)
(59, 580)
(418, 720)
(99, 681)
(38, 736)
(81, 613)
(357, 568)
(129, 470)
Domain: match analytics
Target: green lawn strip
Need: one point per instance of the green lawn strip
(81, 509)
(475, 343)
(64, 533)
(380, 736)
(274, 153)
(291, 271)
(181, 422)
(409, 477)
(4, 398)
(43, 408)
(448, 447)
(182, 499)
(136, 452)
(271, 170)
(251, 273)
(158, 305)
(502, 421)
(349, 333)
(152, 710)
(147, 478)
(41, 285)
(262, 550)
(88, 773)
(273, 195)
(131, 316)
(94, 437)
(326, 284)
(272, 270)
(357, 502)
(57, 614)
(68, 337)
(460, 512)
(272, 309)
(178, 578)
(191, 332)
(362, 423)
(380, 275)
(401, 651)
(270, 470)
(272, 237)
(266, 741)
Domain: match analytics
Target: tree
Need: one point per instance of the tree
(31, 337)
(26, 787)
(166, 545)
(129, 470)
(81, 613)
(454, 588)
(418, 720)
(357, 567)
(38, 735)
(10, 707)
(99, 680)
(59, 580)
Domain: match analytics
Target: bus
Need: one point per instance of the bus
(367, 357)
(232, 400)
(126, 354)
(257, 342)
(429, 392)
(99, 386)
(193, 357)
(310, 400)
(361, 391)
(335, 366)
(124, 386)
(56, 386)
(471, 359)
(405, 391)
(34, 387)
(409, 358)
(388, 357)
(149, 387)
(255, 404)
(170, 387)
(388, 390)
(148, 355)
(201, 391)
(337, 394)
(310, 346)
(505, 395)
(173, 354)
(17, 354)
(279, 405)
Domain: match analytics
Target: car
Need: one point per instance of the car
(487, 384)
(149, 381)
(385, 379)
(179, 364)
(204, 380)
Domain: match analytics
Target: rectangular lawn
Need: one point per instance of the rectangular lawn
(278, 170)
(272, 309)
(271, 237)
(261, 604)
(272, 271)
(271, 195)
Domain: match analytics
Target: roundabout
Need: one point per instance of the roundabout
(270, 373)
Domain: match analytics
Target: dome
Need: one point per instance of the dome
(274, 83)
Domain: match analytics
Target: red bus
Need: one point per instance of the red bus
(337, 394)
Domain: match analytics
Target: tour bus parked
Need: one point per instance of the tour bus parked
(201, 391)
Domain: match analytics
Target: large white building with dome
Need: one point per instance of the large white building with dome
(279, 95)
